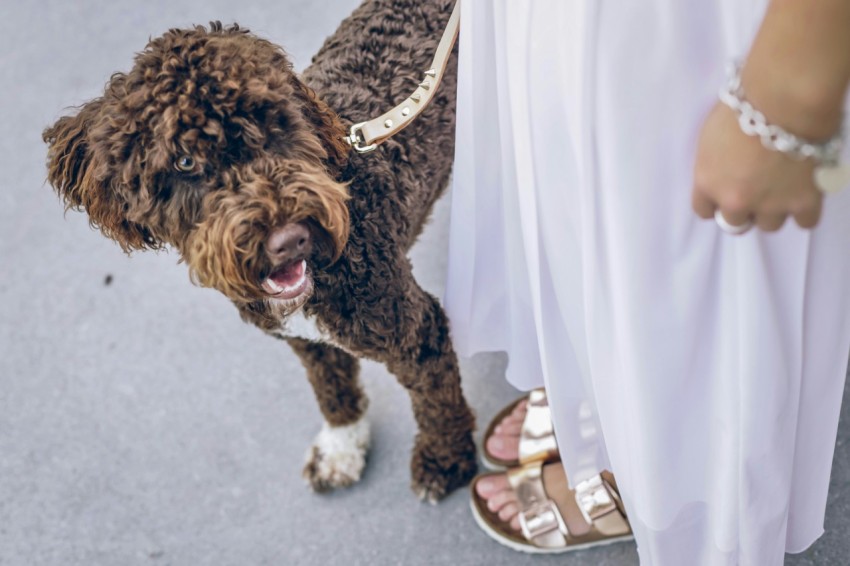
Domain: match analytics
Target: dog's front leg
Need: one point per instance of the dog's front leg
(426, 365)
(338, 454)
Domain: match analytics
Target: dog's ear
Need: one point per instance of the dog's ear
(83, 180)
(326, 123)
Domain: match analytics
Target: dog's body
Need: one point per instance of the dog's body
(268, 206)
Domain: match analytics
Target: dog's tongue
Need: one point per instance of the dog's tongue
(290, 275)
(288, 281)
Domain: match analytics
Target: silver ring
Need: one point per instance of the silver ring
(731, 228)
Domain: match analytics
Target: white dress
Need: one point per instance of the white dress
(706, 371)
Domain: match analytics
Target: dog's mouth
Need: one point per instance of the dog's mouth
(289, 282)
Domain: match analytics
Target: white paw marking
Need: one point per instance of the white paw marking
(338, 455)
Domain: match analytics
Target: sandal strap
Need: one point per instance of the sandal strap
(595, 498)
(537, 437)
(539, 518)
(601, 506)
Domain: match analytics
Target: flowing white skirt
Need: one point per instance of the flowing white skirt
(705, 370)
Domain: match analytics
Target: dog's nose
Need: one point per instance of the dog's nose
(288, 243)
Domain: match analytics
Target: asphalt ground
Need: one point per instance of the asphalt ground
(141, 422)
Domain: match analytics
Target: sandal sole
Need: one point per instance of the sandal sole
(531, 549)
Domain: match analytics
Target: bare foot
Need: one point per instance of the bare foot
(504, 442)
(501, 498)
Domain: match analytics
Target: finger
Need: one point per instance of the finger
(808, 215)
(731, 228)
(702, 205)
(735, 212)
(770, 221)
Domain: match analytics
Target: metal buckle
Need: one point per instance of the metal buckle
(541, 518)
(593, 498)
(537, 398)
(354, 139)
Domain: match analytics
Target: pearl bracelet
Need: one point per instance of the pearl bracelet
(753, 123)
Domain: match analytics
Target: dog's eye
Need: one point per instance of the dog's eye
(185, 163)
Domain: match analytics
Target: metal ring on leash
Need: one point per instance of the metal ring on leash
(729, 228)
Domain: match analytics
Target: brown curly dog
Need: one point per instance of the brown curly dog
(212, 145)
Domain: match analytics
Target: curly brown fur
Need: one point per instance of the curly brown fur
(254, 131)
(232, 216)
(211, 142)
(334, 377)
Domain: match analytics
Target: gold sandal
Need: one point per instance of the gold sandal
(544, 530)
(537, 438)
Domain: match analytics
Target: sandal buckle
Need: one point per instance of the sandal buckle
(593, 498)
(537, 398)
(541, 518)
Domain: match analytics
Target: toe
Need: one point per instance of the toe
(515, 523)
(504, 447)
(509, 428)
(500, 499)
(488, 486)
(514, 418)
(520, 410)
(509, 511)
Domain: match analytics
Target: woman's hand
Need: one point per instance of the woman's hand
(797, 74)
(748, 182)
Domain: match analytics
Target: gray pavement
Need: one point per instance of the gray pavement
(141, 422)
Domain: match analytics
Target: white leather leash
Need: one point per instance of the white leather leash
(366, 136)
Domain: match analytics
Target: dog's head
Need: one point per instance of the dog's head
(211, 144)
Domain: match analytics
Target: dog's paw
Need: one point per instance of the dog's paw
(337, 456)
(437, 469)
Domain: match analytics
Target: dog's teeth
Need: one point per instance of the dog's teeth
(274, 286)
(303, 273)
(301, 279)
